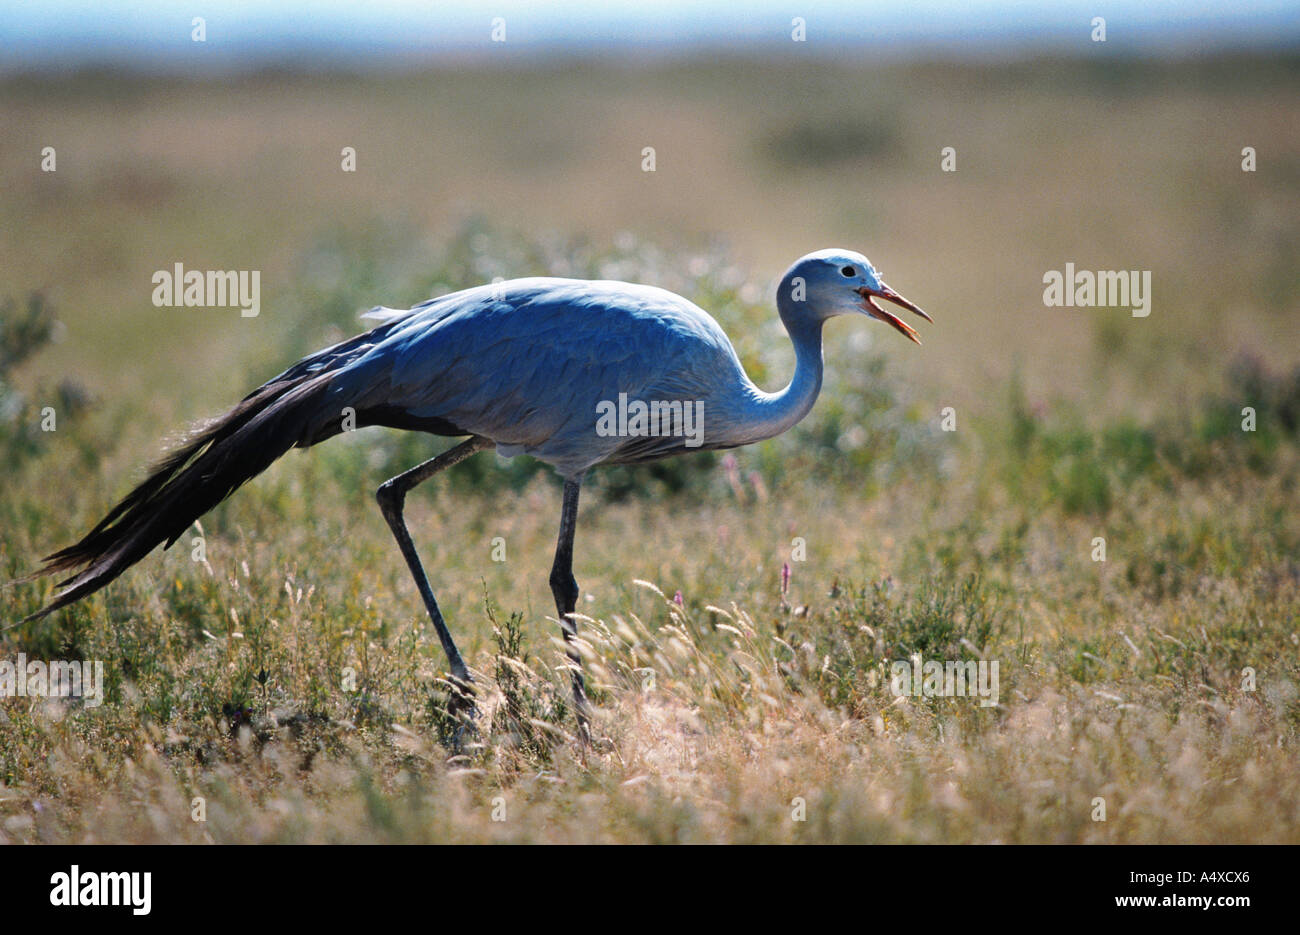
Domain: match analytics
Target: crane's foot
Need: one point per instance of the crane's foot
(459, 727)
(581, 706)
(590, 742)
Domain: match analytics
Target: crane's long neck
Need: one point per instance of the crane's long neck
(773, 413)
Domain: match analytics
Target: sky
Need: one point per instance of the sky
(157, 35)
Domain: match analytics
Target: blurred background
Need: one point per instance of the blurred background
(225, 154)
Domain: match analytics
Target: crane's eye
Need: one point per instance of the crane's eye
(849, 271)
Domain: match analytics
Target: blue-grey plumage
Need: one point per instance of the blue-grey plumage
(528, 363)
(531, 366)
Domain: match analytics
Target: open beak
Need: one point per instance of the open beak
(875, 310)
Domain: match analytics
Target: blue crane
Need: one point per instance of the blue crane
(573, 372)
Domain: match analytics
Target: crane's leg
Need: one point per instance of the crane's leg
(565, 590)
(392, 496)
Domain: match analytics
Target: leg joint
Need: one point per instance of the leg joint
(564, 587)
(390, 495)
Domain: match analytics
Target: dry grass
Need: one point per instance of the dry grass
(291, 682)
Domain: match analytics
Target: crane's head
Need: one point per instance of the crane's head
(834, 282)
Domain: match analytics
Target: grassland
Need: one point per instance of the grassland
(289, 680)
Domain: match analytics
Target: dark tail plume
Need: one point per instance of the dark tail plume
(292, 410)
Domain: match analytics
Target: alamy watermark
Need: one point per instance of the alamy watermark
(1107, 288)
(20, 678)
(950, 679)
(78, 887)
(657, 418)
(213, 288)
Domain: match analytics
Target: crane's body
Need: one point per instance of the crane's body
(529, 366)
(510, 369)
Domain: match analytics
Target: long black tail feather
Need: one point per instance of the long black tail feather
(210, 465)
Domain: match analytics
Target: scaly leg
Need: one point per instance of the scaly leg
(392, 497)
(565, 590)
